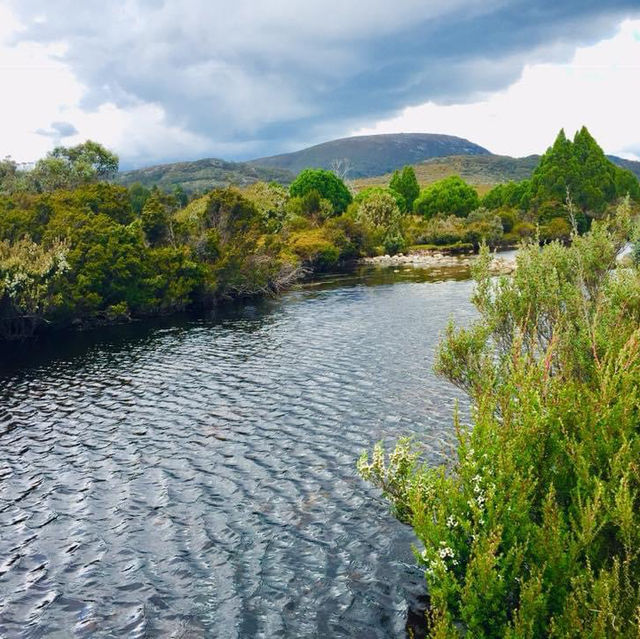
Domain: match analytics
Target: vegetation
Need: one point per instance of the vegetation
(201, 176)
(451, 196)
(326, 184)
(533, 529)
(406, 184)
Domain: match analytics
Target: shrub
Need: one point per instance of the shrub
(315, 249)
(451, 196)
(483, 226)
(327, 184)
(533, 529)
(373, 190)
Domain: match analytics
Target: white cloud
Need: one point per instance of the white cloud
(599, 88)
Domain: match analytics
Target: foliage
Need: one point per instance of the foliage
(380, 212)
(533, 529)
(406, 183)
(361, 196)
(483, 226)
(326, 183)
(270, 199)
(581, 168)
(156, 216)
(451, 196)
(28, 275)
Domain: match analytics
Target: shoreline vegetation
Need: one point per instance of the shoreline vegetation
(533, 528)
(78, 250)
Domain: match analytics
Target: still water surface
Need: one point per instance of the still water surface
(195, 477)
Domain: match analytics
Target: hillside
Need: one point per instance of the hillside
(483, 171)
(203, 175)
(370, 155)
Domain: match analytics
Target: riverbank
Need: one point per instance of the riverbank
(502, 265)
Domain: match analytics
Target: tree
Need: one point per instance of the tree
(581, 168)
(156, 217)
(68, 167)
(381, 212)
(406, 184)
(449, 196)
(361, 196)
(326, 183)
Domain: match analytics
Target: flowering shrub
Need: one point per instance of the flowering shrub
(28, 273)
(533, 530)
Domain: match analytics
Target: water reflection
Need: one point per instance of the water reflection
(195, 477)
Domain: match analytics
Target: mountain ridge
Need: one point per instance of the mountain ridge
(370, 155)
(367, 166)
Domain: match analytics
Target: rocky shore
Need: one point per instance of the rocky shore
(501, 265)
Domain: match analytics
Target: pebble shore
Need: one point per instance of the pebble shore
(499, 265)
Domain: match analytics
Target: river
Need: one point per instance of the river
(195, 476)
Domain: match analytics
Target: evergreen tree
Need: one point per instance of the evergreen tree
(406, 184)
(581, 168)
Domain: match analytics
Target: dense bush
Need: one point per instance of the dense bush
(533, 529)
(380, 212)
(361, 196)
(451, 196)
(327, 184)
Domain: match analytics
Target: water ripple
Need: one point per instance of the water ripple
(197, 479)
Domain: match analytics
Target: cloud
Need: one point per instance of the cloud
(248, 78)
(58, 130)
(597, 88)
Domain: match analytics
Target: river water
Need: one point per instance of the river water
(195, 476)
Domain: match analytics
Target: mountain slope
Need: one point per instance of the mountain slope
(203, 175)
(369, 155)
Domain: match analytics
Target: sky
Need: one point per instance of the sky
(166, 80)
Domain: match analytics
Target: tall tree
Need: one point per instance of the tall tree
(406, 183)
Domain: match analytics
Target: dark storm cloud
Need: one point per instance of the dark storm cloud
(260, 77)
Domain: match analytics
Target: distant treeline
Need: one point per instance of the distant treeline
(76, 248)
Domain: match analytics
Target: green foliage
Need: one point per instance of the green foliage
(483, 226)
(271, 201)
(138, 195)
(155, 217)
(533, 529)
(28, 276)
(327, 184)
(451, 196)
(406, 183)
(380, 212)
(581, 169)
(511, 194)
(361, 196)
(69, 167)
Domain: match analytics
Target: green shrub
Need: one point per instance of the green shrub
(533, 529)
(451, 196)
(327, 184)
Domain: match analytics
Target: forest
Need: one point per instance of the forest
(77, 249)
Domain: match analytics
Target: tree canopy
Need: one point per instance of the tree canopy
(406, 183)
(451, 196)
(327, 184)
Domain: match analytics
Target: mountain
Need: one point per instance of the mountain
(203, 175)
(483, 171)
(630, 165)
(368, 155)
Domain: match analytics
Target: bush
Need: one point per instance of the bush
(315, 249)
(451, 196)
(377, 190)
(558, 228)
(483, 226)
(327, 184)
(533, 529)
